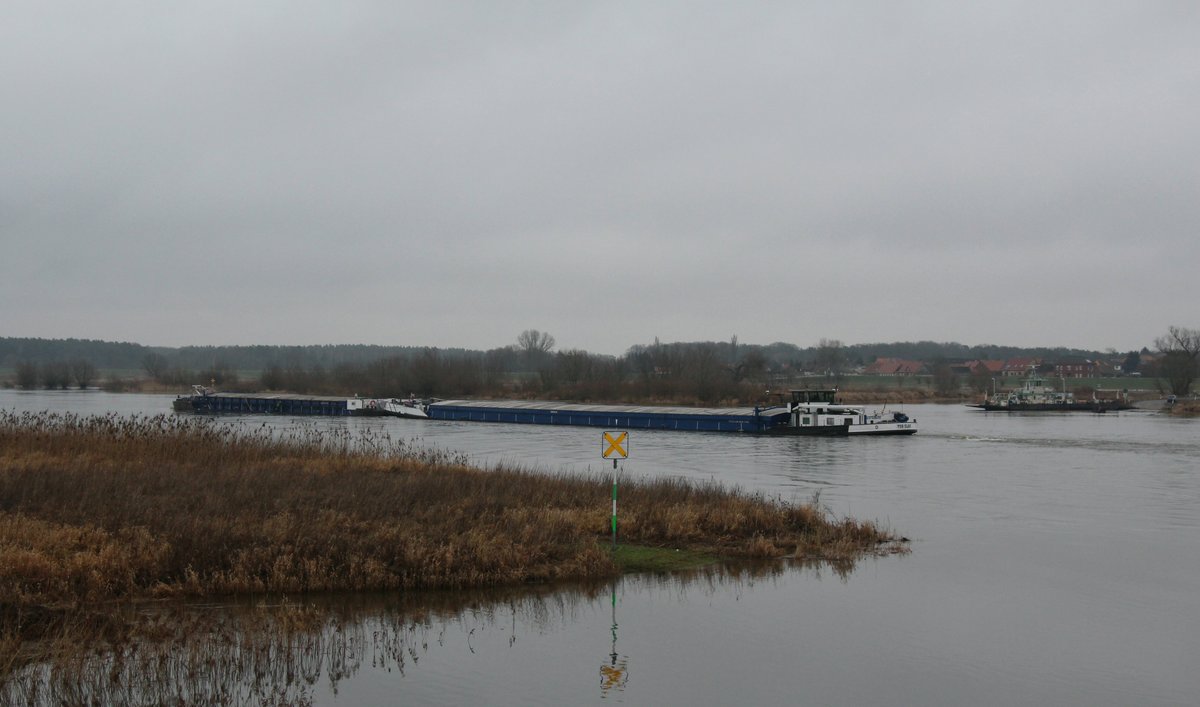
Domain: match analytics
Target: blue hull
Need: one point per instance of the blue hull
(270, 404)
(749, 420)
(607, 416)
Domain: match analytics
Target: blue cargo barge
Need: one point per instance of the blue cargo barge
(811, 412)
(263, 403)
(511, 411)
(204, 400)
(625, 416)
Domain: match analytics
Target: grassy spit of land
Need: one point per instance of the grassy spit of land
(101, 509)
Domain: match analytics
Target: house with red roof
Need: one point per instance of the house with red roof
(1075, 368)
(1020, 367)
(894, 367)
(977, 367)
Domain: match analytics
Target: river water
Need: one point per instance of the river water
(1055, 560)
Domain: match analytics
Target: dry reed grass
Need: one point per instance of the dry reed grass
(108, 508)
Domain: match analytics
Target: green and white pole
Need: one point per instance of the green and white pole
(614, 513)
(614, 444)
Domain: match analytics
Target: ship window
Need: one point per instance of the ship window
(807, 421)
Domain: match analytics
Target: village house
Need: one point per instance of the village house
(1019, 367)
(894, 367)
(1075, 368)
(977, 367)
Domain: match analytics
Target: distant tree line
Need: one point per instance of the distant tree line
(51, 375)
(697, 372)
(105, 355)
(108, 355)
(701, 372)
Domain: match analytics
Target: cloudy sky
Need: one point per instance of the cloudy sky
(449, 174)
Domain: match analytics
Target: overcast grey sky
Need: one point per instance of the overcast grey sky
(449, 174)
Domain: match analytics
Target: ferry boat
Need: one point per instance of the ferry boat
(1035, 396)
(818, 412)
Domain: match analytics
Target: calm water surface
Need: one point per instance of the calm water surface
(1056, 560)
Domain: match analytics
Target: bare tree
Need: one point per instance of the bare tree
(83, 371)
(271, 377)
(534, 342)
(56, 374)
(981, 378)
(944, 380)
(831, 358)
(496, 365)
(575, 366)
(27, 375)
(156, 366)
(751, 365)
(703, 366)
(1180, 362)
(220, 373)
(427, 371)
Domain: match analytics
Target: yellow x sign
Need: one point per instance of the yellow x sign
(614, 444)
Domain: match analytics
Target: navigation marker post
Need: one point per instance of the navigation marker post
(614, 445)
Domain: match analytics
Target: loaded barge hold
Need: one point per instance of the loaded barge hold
(630, 416)
(204, 400)
(810, 412)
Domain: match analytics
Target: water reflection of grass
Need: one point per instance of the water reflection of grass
(116, 509)
(277, 652)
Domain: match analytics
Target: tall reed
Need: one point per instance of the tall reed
(95, 509)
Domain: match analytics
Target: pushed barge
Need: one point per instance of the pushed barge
(810, 412)
(204, 400)
(629, 416)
